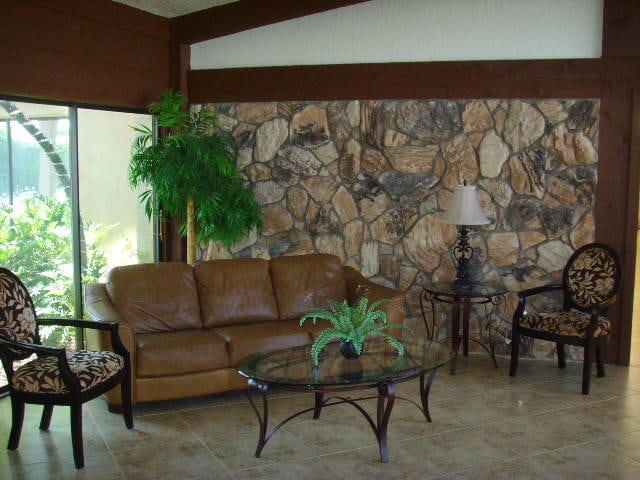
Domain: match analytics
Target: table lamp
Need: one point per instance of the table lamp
(464, 210)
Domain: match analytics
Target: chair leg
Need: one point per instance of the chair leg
(76, 434)
(17, 418)
(599, 362)
(515, 352)
(586, 369)
(562, 359)
(45, 421)
(125, 388)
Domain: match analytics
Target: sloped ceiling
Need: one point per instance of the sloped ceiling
(173, 8)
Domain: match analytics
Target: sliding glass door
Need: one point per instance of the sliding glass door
(67, 214)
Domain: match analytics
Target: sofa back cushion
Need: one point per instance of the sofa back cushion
(303, 282)
(155, 297)
(235, 291)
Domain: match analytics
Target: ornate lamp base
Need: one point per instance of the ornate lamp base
(462, 252)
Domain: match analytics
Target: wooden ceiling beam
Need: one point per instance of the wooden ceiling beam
(244, 15)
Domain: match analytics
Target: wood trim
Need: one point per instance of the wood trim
(55, 76)
(621, 28)
(173, 246)
(180, 56)
(116, 45)
(612, 210)
(630, 254)
(96, 53)
(108, 13)
(479, 79)
(243, 15)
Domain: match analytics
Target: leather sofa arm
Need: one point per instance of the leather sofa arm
(358, 285)
(99, 308)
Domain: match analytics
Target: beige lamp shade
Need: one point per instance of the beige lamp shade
(464, 208)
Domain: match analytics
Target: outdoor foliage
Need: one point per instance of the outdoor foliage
(352, 324)
(194, 161)
(35, 245)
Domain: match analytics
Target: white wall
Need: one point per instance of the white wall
(416, 30)
(104, 151)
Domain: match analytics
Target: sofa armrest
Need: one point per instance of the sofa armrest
(99, 308)
(358, 285)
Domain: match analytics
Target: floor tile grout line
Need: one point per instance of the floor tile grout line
(206, 447)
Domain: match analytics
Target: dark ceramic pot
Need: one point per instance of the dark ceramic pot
(348, 350)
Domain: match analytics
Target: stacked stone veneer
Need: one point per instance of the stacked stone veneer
(368, 180)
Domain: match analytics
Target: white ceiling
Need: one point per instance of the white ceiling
(173, 8)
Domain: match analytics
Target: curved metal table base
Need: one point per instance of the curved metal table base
(386, 399)
(460, 310)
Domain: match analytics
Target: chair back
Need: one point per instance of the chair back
(17, 313)
(592, 276)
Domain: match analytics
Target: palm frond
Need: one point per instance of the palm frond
(194, 161)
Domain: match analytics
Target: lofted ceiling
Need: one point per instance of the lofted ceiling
(173, 8)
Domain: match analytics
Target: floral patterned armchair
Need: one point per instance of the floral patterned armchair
(590, 283)
(55, 376)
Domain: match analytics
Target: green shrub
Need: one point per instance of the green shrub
(35, 243)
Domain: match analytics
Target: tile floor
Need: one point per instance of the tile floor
(485, 425)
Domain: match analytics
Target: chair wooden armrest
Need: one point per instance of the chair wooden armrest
(111, 327)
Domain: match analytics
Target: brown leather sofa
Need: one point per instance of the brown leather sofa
(187, 326)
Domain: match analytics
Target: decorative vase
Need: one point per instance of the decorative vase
(350, 370)
(348, 350)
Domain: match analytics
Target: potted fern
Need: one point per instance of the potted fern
(190, 173)
(351, 325)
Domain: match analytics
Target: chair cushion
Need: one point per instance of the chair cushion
(303, 282)
(572, 323)
(17, 314)
(180, 352)
(243, 340)
(235, 291)
(155, 297)
(42, 375)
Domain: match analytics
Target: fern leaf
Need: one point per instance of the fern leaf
(323, 339)
(397, 344)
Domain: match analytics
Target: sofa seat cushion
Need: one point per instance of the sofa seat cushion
(235, 291)
(303, 282)
(179, 352)
(243, 340)
(155, 297)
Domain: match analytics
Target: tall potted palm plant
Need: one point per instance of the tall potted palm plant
(190, 172)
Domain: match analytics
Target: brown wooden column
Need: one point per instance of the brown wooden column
(621, 39)
(173, 246)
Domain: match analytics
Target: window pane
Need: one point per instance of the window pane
(116, 230)
(35, 208)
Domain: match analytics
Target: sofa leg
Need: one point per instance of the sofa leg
(114, 407)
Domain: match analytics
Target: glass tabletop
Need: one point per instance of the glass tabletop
(293, 367)
(474, 290)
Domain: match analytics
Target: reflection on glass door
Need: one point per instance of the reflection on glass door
(109, 209)
(36, 191)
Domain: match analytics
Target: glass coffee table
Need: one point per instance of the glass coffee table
(379, 367)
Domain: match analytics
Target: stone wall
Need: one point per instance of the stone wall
(368, 180)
